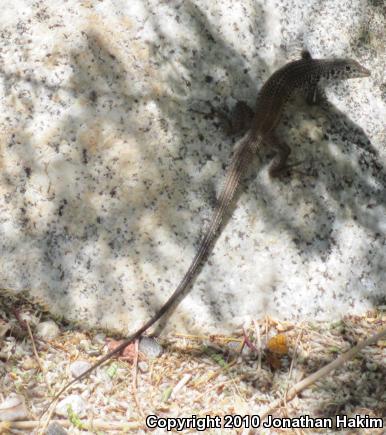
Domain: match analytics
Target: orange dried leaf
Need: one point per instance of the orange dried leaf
(278, 344)
(128, 353)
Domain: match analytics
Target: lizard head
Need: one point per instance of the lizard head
(343, 69)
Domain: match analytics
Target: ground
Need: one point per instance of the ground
(194, 375)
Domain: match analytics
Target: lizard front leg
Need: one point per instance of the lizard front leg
(314, 94)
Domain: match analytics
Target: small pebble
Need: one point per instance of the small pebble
(100, 338)
(77, 403)
(84, 344)
(78, 367)
(47, 330)
(150, 347)
(234, 346)
(13, 408)
(29, 363)
(4, 328)
(56, 429)
(30, 318)
(143, 366)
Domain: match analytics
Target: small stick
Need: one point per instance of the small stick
(134, 383)
(183, 381)
(44, 423)
(248, 342)
(34, 348)
(96, 424)
(295, 353)
(213, 387)
(259, 348)
(25, 323)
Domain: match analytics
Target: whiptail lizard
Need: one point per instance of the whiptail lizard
(305, 73)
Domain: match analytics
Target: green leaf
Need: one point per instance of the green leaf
(112, 370)
(74, 418)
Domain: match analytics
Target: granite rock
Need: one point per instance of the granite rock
(111, 157)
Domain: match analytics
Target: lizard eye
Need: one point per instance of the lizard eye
(348, 68)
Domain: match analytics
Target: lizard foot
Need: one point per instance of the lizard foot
(289, 170)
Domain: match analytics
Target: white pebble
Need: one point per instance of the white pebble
(150, 347)
(47, 330)
(77, 403)
(78, 367)
(13, 408)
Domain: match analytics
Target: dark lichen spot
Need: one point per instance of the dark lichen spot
(84, 156)
(93, 96)
(27, 171)
(61, 207)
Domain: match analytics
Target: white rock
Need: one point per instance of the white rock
(78, 367)
(105, 191)
(30, 318)
(77, 403)
(150, 347)
(143, 366)
(56, 429)
(13, 408)
(100, 338)
(47, 330)
(4, 328)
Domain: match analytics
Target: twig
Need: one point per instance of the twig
(213, 387)
(292, 364)
(134, 383)
(183, 381)
(314, 377)
(26, 323)
(248, 342)
(34, 348)
(259, 348)
(295, 353)
(43, 371)
(47, 420)
(96, 424)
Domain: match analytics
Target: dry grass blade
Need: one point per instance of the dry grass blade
(94, 424)
(259, 346)
(134, 383)
(34, 347)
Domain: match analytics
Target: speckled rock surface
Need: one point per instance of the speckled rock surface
(111, 158)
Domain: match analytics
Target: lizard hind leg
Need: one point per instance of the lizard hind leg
(279, 162)
(279, 165)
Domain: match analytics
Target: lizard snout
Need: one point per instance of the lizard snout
(364, 72)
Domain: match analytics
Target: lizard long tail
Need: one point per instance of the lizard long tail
(242, 157)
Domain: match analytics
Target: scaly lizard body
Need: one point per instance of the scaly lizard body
(304, 73)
